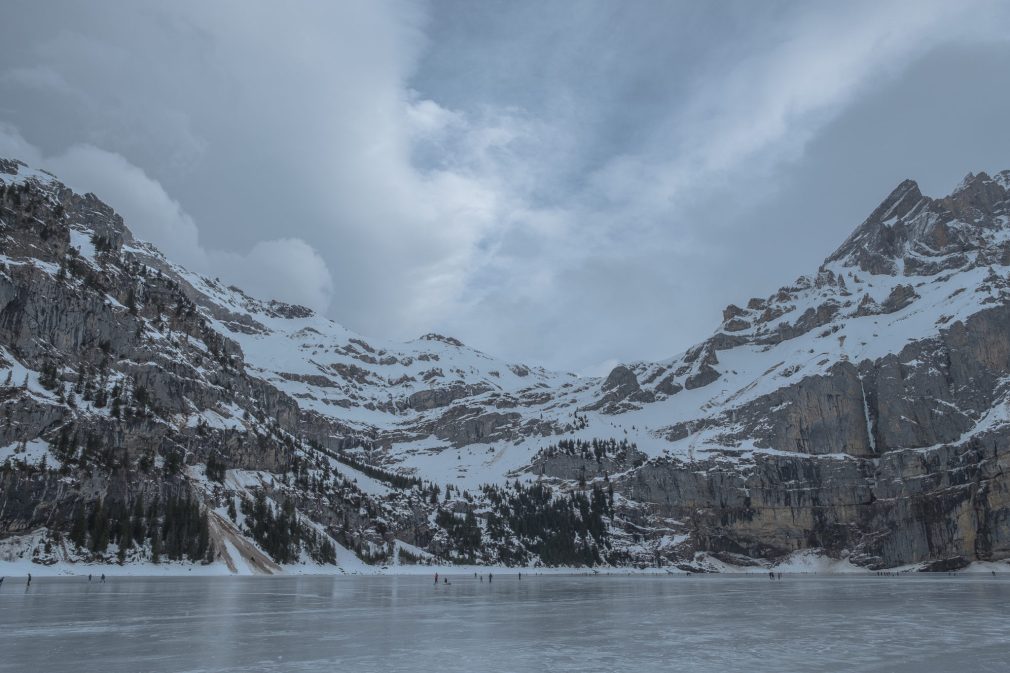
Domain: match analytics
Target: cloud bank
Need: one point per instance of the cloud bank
(568, 185)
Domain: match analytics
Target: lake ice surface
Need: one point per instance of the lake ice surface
(912, 623)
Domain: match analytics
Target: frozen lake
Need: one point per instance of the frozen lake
(543, 623)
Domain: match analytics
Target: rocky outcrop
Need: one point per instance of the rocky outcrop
(924, 236)
(462, 425)
(817, 415)
(434, 398)
(900, 297)
(620, 390)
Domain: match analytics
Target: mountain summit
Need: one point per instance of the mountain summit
(910, 234)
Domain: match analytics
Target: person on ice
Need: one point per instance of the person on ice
(103, 578)
(436, 578)
(29, 580)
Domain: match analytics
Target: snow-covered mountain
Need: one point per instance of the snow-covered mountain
(860, 411)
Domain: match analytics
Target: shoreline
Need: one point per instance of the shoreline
(820, 566)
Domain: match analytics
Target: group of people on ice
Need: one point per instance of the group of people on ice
(28, 584)
(490, 577)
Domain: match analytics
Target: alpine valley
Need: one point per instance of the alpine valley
(151, 415)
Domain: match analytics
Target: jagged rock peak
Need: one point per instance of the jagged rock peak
(10, 166)
(290, 311)
(432, 336)
(899, 202)
(978, 195)
(973, 182)
(875, 236)
(908, 227)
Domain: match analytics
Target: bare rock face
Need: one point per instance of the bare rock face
(462, 425)
(699, 366)
(900, 297)
(876, 243)
(621, 378)
(737, 325)
(621, 389)
(10, 166)
(883, 474)
(936, 390)
(906, 510)
(817, 415)
(434, 398)
(442, 339)
(669, 386)
(778, 505)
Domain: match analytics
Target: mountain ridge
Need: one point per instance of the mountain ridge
(888, 366)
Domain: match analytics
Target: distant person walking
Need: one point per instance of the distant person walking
(2, 580)
(29, 581)
(89, 577)
(771, 575)
(103, 578)
(436, 578)
(489, 578)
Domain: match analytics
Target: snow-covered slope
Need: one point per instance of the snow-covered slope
(433, 406)
(915, 267)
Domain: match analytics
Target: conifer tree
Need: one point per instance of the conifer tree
(138, 530)
(79, 528)
(99, 525)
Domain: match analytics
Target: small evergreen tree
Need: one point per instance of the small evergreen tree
(79, 528)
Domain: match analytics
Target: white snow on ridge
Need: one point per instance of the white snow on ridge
(335, 372)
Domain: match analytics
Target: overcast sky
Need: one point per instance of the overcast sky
(570, 184)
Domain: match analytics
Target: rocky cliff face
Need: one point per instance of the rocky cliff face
(864, 410)
(861, 411)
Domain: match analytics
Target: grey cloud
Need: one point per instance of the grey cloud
(571, 184)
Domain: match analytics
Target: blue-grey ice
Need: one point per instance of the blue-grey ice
(914, 623)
